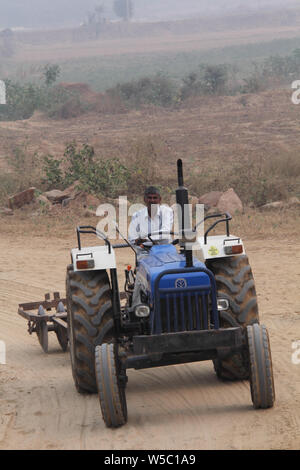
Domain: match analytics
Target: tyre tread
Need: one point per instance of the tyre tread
(235, 283)
(88, 294)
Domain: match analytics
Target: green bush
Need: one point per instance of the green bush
(158, 90)
(94, 175)
(56, 102)
(210, 80)
(53, 172)
(22, 100)
(51, 73)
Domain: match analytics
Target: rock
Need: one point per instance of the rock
(72, 191)
(20, 199)
(43, 200)
(273, 205)
(292, 202)
(64, 197)
(230, 202)
(210, 199)
(66, 202)
(6, 211)
(55, 196)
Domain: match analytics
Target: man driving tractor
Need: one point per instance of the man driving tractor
(151, 219)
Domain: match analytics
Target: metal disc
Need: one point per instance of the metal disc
(42, 334)
(62, 336)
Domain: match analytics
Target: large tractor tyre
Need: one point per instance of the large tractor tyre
(261, 370)
(235, 283)
(111, 383)
(90, 322)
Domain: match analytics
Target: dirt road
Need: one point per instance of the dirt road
(176, 407)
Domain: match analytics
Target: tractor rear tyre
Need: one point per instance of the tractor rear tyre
(261, 370)
(111, 383)
(90, 322)
(235, 283)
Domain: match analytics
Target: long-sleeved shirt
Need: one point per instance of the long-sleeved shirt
(141, 224)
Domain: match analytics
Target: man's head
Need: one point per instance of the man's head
(151, 197)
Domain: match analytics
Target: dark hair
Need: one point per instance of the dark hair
(151, 190)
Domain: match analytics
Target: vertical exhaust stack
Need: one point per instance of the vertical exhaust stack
(185, 228)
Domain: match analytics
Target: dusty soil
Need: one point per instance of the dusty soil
(175, 407)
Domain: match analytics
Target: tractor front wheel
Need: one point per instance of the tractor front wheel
(261, 370)
(111, 383)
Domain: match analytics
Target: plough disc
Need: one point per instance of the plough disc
(62, 336)
(41, 319)
(42, 334)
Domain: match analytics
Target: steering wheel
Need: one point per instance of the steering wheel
(160, 232)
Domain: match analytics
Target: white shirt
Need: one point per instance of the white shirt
(141, 224)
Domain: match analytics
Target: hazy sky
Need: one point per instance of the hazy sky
(41, 13)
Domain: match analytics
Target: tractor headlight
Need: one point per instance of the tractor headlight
(223, 304)
(142, 311)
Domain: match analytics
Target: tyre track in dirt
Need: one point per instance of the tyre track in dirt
(176, 407)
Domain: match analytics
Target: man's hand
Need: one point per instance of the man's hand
(140, 241)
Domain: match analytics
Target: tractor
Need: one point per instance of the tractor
(197, 303)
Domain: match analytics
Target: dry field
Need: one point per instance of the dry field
(221, 128)
(175, 407)
(164, 43)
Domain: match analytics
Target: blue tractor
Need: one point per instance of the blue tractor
(191, 308)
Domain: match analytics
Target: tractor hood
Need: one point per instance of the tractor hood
(164, 258)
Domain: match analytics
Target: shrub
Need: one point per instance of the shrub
(158, 90)
(59, 103)
(214, 79)
(98, 176)
(211, 80)
(22, 100)
(51, 73)
(56, 102)
(54, 174)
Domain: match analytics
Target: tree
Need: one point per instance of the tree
(124, 9)
(51, 73)
(215, 79)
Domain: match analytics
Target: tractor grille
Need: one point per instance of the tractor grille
(184, 311)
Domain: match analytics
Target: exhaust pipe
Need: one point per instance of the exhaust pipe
(185, 227)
